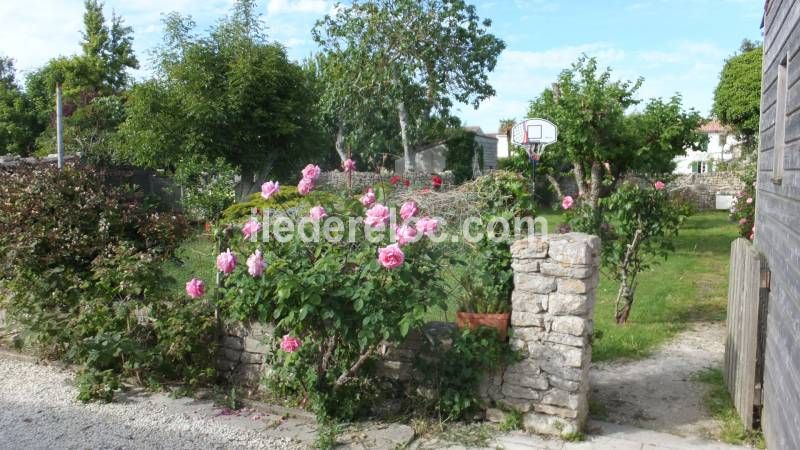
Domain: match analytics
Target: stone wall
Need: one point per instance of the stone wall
(363, 180)
(555, 278)
(701, 189)
(243, 350)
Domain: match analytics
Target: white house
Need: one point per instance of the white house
(722, 146)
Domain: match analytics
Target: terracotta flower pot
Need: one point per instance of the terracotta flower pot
(474, 320)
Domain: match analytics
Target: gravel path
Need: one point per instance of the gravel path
(38, 410)
(659, 392)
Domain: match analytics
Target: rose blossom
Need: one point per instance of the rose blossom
(269, 189)
(226, 261)
(751, 236)
(195, 288)
(312, 172)
(408, 210)
(742, 221)
(567, 202)
(368, 198)
(305, 186)
(349, 165)
(405, 234)
(427, 226)
(391, 256)
(377, 216)
(256, 264)
(250, 228)
(290, 344)
(749, 200)
(659, 185)
(317, 213)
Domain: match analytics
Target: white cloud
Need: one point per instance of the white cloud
(275, 7)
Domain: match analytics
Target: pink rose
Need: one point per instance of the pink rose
(755, 183)
(749, 200)
(256, 264)
(405, 234)
(368, 198)
(408, 210)
(752, 235)
(740, 194)
(250, 228)
(305, 186)
(290, 344)
(567, 202)
(742, 221)
(349, 165)
(317, 213)
(377, 216)
(312, 172)
(659, 185)
(226, 261)
(269, 189)
(391, 256)
(195, 288)
(427, 226)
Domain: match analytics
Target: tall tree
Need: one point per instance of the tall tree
(229, 94)
(18, 124)
(419, 56)
(737, 98)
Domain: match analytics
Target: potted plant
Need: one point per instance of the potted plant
(486, 284)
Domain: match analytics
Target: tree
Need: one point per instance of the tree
(18, 124)
(600, 139)
(418, 56)
(229, 94)
(737, 98)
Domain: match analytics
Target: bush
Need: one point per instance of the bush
(208, 187)
(287, 199)
(504, 192)
(81, 266)
(334, 304)
(744, 208)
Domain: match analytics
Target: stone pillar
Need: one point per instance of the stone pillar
(551, 324)
(243, 351)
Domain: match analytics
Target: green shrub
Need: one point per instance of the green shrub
(208, 187)
(503, 192)
(287, 198)
(744, 212)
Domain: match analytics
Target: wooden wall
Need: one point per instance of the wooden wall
(778, 226)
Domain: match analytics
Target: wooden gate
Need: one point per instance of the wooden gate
(748, 290)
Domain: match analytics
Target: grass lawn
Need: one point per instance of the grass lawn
(691, 285)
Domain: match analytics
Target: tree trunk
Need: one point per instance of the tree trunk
(340, 142)
(556, 186)
(578, 173)
(408, 154)
(594, 188)
(624, 301)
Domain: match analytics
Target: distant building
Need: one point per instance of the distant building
(722, 146)
(432, 157)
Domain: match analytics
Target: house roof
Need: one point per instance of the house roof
(479, 131)
(714, 126)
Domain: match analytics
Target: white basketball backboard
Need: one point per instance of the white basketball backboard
(534, 131)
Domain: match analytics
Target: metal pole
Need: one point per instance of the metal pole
(59, 127)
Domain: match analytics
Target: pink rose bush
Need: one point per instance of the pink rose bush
(341, 298)
(250, 228)
(269, 189)
(349, 165)
(195, 288)
(567, 202)
(743, 211)
(659, 185)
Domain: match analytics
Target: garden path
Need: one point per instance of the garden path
(660, 392)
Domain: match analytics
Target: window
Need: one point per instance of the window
(780, 121)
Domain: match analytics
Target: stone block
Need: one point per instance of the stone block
(529, 334)
(528, 380)
(559, 304)
(256, 346)
(517, 344)
(560, 397)
(572, 325)
(534, 283)
(557, 269)
(564, 339)
(525, 265)
(526, 366)
(578, 285)
(232, 342)
(561, 370)
(571, 251)
(252, 358)
(231, 355)
(532, 247)
(541, 423)
(524, 301)
(519, 392)
(566, 413)
(495, 415)
(516, 404)
(567, 385)
(527, 319)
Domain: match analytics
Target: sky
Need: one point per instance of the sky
(677, 46)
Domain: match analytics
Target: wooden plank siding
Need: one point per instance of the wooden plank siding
(778, 228)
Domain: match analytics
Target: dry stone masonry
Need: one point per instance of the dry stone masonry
(555, 279)
(243, 350)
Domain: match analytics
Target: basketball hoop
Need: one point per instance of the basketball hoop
(535, 135)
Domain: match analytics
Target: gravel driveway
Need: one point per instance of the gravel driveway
(38, 410)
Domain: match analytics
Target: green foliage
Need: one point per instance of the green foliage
(512, 421)
(81, 265)
(719, 404)
(288, 198)
(635, 225)
(506, 192)
(737, 97)
(486, 279)
(461, 153)
(744, 209)
(339, 301)
(230, 94)
(454, 376)
(18, 123)
(208, 186)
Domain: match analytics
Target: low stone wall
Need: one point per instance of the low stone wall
(551, 323)
(363, 180)
(243, 349)
(701, 189)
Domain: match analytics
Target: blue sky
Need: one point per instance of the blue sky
(676, 45)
